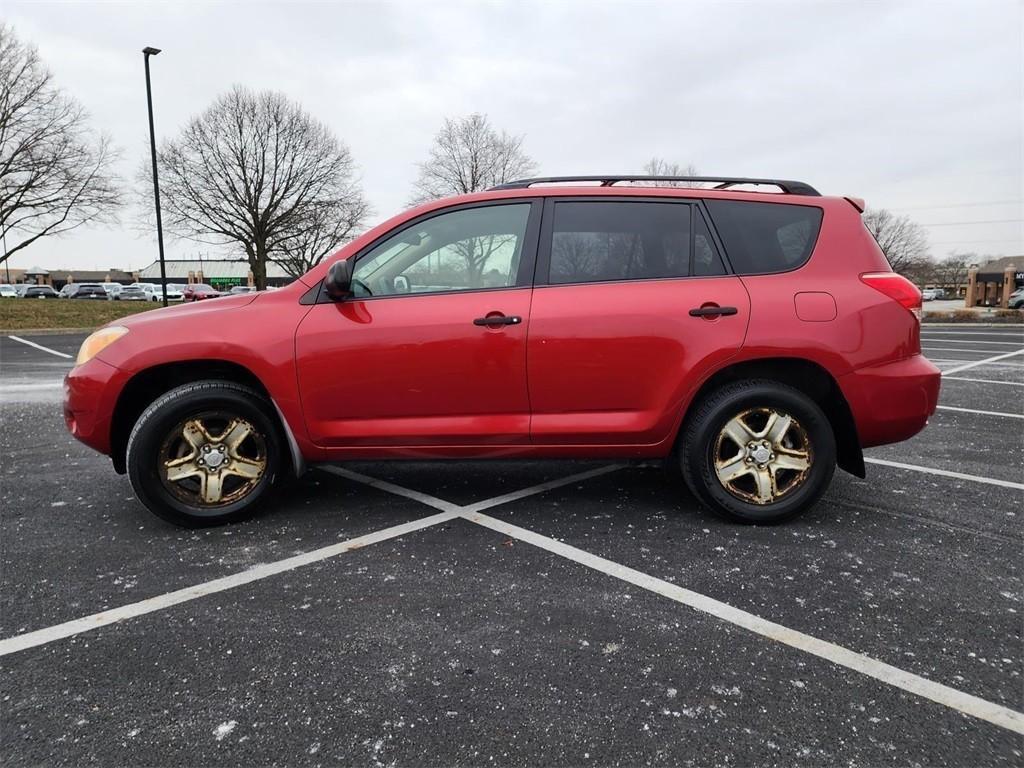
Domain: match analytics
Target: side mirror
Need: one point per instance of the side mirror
(339, 280)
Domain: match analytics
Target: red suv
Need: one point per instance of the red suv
(757, 338)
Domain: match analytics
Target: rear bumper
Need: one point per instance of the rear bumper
(90, 394)
(892, 402)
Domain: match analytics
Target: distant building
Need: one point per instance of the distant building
(990, 285)
(60, 277)
(218, 273)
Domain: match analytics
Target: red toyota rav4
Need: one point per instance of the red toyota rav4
(757, 338)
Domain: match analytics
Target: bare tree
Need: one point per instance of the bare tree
(903, 241)
(658, 166)
(257, 172)
(469, 155)
(55, 173)
(951, 272)
(329, 226)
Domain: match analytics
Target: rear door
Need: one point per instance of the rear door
(633, 307)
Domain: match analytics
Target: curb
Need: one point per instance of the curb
(970, 324)
(44, 331)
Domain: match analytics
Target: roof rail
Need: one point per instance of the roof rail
(721, 182)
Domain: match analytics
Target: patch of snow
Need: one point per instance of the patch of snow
(224, 729)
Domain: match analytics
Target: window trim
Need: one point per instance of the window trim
(527, 257)
(542, 273)
(715, 241)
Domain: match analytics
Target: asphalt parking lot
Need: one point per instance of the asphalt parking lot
(520, 613)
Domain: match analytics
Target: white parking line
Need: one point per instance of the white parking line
(516, 495)
(981, 413)
(837, 654)
(886, 673)
(95, 621)
(983, 381)
(1009, 332)
(976, 363)
(946, 473)
(447, 506)
(952, 349)
(1002, 366)
(1014, 343)
(397, 490)
(30, 387)
(448, 511)
(40, 346)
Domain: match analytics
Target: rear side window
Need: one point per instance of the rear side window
(762, 238)
(597, 241)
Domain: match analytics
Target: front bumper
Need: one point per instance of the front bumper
(892, 402)
(90, 394)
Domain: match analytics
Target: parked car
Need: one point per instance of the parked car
(174, 293)
(755, 339)
(931, 294)
(8, 292)
(112, 289)
(151, 289)
(237, 289)
(200, 291)
(93, 291)
(1016, 300)
(132, 293)
(67, 290)
(40, 292)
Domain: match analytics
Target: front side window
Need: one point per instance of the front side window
(602, 240)
(464, 250)
(762, 238)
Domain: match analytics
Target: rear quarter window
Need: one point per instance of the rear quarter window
(762, 238)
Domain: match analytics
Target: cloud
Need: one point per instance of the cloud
(905, 104)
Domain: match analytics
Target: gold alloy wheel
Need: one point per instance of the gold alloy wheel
(761, 455)
(212, 460)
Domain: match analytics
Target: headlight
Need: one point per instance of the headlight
(97, 342)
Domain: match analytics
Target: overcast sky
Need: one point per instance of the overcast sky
(916, 107)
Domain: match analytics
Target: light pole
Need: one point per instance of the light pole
(7, 264)
(146, 53)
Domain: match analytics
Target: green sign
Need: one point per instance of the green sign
(225, 282)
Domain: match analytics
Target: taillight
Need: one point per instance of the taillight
(897, 288)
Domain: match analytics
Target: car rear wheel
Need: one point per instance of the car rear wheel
(757, 452)
(205, 453)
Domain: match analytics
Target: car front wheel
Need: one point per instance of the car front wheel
(205, 453)
(757, 451)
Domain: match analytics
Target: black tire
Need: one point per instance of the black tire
(700, 445)
(155, 429)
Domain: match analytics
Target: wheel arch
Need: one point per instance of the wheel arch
(814, 381)
(150, 383)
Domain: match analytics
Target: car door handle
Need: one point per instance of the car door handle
(713, 311)
(498, 320)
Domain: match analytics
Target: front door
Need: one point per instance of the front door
(431, 349)
(633, 306)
